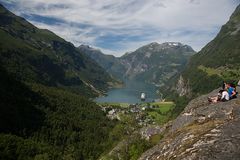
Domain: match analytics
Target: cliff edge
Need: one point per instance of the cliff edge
(202, 131)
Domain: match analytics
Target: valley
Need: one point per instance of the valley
(63, 102)
(144, 70)
(131, 92)
(139, 126)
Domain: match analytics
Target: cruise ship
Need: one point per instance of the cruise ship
(143, 96)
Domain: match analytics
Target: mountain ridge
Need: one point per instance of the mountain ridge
(39, 55)
(136, 64)
(217, 61)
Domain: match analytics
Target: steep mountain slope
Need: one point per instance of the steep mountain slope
(156, 63)
(110, 63)
(217, 61)
(40, 122)
(36, 55)
(43, 110)
(153, 63)
(201, 131)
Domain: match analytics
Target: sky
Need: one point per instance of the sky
(119, 26)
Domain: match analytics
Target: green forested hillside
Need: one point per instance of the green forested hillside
(37, 55)
(44, 82)
(110, 63)
(40, 121)
(219, 60)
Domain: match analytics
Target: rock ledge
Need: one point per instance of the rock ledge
(202, 131)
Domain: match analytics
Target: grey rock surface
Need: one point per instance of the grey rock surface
(202, 131)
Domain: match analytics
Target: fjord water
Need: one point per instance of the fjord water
(130, 93)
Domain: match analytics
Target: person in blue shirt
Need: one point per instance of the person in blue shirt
(231, 91)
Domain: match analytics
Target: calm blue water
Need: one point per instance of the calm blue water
(130, 93)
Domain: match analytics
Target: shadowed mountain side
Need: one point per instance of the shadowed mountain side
(44, 85)
(38, 55)
(19, 107)
(110, 63)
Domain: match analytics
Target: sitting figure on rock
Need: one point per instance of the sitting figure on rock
(231, 88)
(226, 94)
(222, 96)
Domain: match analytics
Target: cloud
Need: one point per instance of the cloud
(117, 26)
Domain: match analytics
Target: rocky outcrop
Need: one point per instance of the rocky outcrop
(182, 87)
(202, 131)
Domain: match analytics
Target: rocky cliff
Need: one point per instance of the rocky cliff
(201, 131)
(157, 63)
(182, 87)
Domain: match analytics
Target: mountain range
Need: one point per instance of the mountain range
(110, 63)
(38, 55)
(200, 129)
(203, 130)
(153, 63)
(46, 84)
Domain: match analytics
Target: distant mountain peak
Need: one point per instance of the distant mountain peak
(173, 43)
(166, 44)
(156, 47)
(153, 43)
(84, 46)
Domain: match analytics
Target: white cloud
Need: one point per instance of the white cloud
(193, 22)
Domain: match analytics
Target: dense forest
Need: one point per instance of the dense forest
(44, 89)
(49, 123)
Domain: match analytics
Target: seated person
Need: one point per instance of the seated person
(222, 96)
(231, 91)
(225, 96)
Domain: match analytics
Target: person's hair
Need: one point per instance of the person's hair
(232, 85)
(221, 91)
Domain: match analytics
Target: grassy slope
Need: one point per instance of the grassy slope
(161, 112)
(129, 142)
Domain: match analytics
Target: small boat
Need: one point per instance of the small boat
(143, 96)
